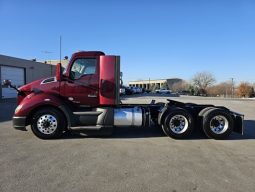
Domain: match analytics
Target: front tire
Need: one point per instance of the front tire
(48, 123)
(178, 124)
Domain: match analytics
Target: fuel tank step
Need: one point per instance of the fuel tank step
(93, 130)
(89, 113)
(80, 128)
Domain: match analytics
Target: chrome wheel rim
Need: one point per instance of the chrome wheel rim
(47, 124)
(178, 124)
(219, 124)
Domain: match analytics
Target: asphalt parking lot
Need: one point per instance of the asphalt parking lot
(132, 159)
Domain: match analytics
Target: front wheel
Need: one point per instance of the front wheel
(178, 124)
(48, 123)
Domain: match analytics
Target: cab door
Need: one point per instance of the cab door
(81, 87)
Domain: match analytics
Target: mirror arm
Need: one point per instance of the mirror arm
(14, 87)
(8, 83)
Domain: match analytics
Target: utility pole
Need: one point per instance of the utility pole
(232, 87)
(149, 84)
(226, 89)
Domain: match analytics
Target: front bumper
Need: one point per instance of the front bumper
(19, 123)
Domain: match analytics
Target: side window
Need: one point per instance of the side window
(82, 67)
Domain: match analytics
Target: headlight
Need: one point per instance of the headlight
(18, 108)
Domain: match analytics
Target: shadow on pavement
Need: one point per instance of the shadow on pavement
(154, 132)
(120, 133)
(249, 131)
(7, 110)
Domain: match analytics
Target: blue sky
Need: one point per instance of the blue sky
(156, 39)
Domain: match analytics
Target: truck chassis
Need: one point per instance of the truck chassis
(177, 120)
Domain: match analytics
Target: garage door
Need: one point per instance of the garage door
(16, 75)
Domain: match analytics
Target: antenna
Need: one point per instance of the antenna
(60, 47)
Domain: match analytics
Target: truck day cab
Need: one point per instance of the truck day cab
(86, 98)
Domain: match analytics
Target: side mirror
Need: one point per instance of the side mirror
(58, 72)
(6, 82)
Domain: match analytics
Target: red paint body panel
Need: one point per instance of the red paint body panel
(49, 88)
(52, 87)
(107, 86)
(79, 90)
(34, 100)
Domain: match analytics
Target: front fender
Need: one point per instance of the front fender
(35, 101)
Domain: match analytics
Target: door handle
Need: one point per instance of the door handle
(92, 96)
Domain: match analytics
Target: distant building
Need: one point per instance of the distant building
(20, 72)
(147, 84)
(23, 71)
(64, 62)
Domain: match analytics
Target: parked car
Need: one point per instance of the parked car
(136, 90)
(122, 91)
(163, 91)
(184, 92)
(128, 91)
(133, 90)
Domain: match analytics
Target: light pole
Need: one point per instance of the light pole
(232, 87)
(149, 84)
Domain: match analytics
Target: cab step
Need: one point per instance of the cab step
(87, 113)
(90, 127)
(93, 130)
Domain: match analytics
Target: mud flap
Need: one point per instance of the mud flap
(238, 123)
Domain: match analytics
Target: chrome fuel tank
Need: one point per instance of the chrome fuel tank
(131, 116)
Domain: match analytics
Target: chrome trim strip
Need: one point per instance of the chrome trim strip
(19, 117)
(54, 80)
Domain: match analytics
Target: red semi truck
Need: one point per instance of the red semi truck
(85, 97)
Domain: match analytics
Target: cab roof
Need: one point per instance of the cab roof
(88, 53)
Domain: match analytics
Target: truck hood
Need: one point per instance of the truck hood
(45, 85)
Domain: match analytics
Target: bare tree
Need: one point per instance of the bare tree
(180, 86)
(203, 80)
(245, 90)
(222, 89)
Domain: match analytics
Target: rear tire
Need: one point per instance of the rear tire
(48, 123)
(178, 124)
(203, 111)
(217, 124)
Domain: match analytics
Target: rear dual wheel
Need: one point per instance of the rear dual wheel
(217, 123)
(178, 124)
